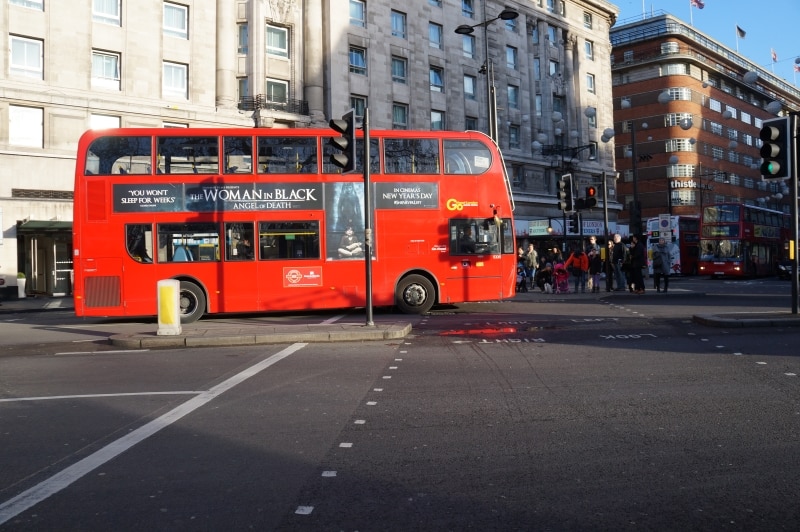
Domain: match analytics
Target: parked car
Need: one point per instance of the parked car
(784, 269)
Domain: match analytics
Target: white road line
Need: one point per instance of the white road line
(333, 319)
(91, 396)
(29, 498)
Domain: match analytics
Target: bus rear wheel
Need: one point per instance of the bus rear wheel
(414, 294)
(192, 302)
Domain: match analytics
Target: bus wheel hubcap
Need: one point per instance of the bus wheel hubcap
(415, 295)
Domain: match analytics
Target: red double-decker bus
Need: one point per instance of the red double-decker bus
(253, 220)
(738, 240)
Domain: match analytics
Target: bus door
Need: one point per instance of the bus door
(476, 246)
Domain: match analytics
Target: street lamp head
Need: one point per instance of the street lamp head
(465, 30)
(608, 132)
(508, 14)
(686, 124)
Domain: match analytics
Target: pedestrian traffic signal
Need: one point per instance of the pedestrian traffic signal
(565, 202)
(776, 148)
(574, 224)
(346, 160)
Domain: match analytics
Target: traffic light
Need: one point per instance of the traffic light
(591, 198)
(565, 193)
(574, 224)
(346, 160)
(776, 148)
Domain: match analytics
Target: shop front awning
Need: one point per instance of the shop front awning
(43, 226)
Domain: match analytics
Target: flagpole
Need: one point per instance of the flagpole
(736, 30)
(691, 14)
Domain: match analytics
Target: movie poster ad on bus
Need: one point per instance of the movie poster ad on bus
(213, 197)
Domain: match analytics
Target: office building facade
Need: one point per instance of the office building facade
(71, 66)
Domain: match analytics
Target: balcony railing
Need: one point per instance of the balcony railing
(260, 101)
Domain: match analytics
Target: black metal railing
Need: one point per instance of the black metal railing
(261, 101)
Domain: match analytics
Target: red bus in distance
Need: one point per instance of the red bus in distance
(738, 240)
(252, 220)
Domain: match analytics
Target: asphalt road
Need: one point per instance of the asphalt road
(535, 414)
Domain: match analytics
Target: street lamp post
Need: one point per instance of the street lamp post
(488, 69)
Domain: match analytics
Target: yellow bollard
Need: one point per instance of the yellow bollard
(169, 311)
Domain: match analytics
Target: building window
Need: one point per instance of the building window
(553, 68)
(435, 35)
(106, 11)
(399, 70)
(469, 87)
(277, 41)
(513, 136)
(716, 128)
(513, 97)
(399, 24)
(176, 78)
(176, 20)
(105, 70)
(714, 105)
(437, 121)
(590, 83)
(358, 13)
(732, 110)
(470, 123)
(552, 34)
(511, 57)
(745, 117)
(591, 121)
(435, 3)
(627, 56)
(26, 57)
(33, 4)
(535, 33)
(511, 25)
(277, 91)
(679, 145)
(670, 47)
(244, 38)
(675, 69)
(537, 68)
(588, 47)
(437, 79)
(556, 6)
(537, 102)
(358, 104)
(468, 8)
(25, 126)
(675, 119)
(358, 61)
(243, 87)
(468, 46)
(103, 121)
(587, 20)
(399, 116)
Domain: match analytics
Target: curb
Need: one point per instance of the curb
(278, 335)
(731, 321)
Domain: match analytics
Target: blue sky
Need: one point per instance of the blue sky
(768, 24)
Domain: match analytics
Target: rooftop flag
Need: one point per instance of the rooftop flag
(774, 55)
(740, 32)
(699, 4)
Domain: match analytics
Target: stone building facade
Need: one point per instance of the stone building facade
(71, 66)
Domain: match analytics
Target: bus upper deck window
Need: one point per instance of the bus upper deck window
(119, 155)
(470, 157)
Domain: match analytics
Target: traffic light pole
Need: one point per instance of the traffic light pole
(794, 139)
(368, 240)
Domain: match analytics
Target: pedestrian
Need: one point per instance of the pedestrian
(619, 257)
(595, 268)
(531, 260)
(661, 264)
(608, 265)
(638, 261)
(592, 245)
(578, 265)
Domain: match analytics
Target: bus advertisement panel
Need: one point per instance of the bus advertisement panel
(739, 240)
(255, 220)
(682, 236)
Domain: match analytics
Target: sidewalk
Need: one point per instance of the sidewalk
(207, 334)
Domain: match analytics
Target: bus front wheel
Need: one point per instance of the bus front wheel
(192, 302)
(414, 294)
